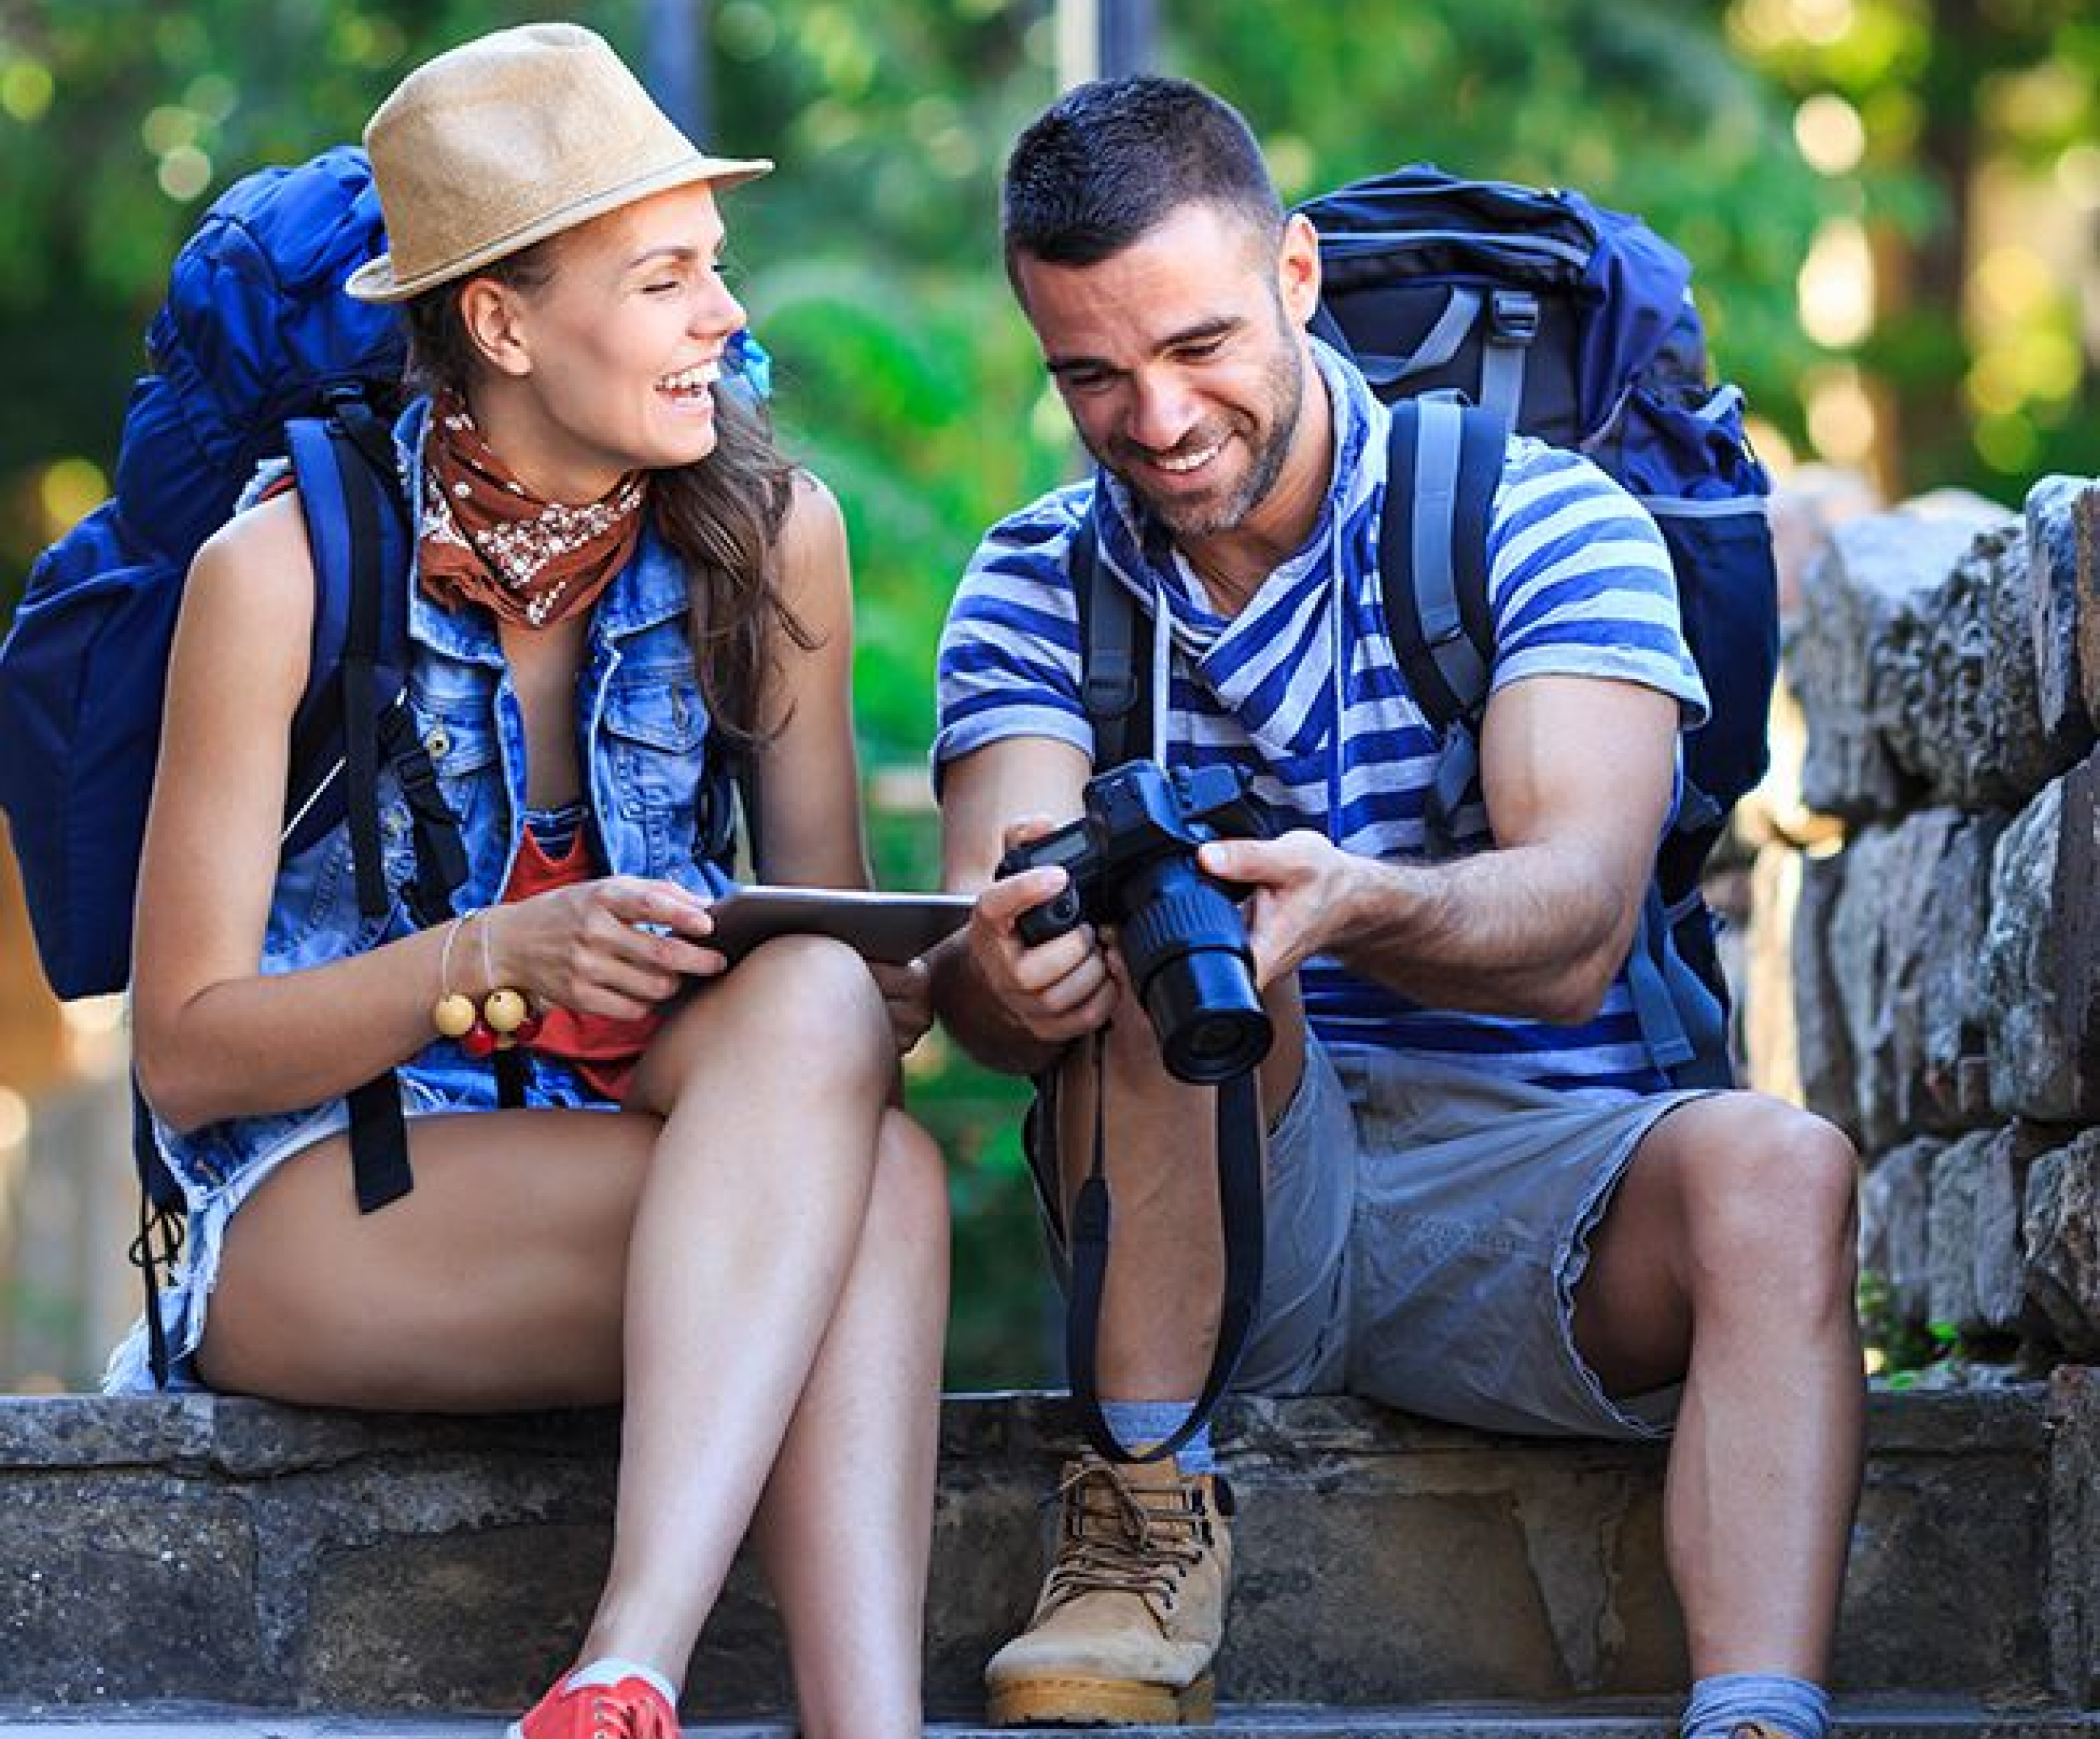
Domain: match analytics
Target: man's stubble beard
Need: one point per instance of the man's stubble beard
(1286, 379)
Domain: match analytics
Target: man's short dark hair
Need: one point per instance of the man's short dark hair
(1113, 159)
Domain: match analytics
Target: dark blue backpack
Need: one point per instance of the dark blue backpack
(1474, 308)
(254, 339)
(257, 354)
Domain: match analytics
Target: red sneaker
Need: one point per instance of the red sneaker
(587, 1706)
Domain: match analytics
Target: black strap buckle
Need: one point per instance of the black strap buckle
(1512, 317)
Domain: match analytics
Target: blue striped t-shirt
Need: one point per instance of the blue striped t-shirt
(1579, 585)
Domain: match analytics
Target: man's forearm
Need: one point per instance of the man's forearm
(1524, 932)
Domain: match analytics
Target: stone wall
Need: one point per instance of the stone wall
(203, 1550)
(1946, 961)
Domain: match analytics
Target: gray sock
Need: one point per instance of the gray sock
(1139, 1424)
(1793, 1705)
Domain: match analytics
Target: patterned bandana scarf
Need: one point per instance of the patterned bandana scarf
(486, 540)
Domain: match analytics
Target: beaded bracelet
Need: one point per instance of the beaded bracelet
(504, 1016)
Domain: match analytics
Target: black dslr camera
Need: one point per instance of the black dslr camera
(1131, 858)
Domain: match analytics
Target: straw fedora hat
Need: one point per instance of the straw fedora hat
(510, 139)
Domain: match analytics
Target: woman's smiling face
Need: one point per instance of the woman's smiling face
(619, 350)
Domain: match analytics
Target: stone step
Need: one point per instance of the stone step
(1856, 1721)
(199, 1550)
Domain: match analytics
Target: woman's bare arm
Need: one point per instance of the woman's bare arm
(808, 773)
(214, 1036)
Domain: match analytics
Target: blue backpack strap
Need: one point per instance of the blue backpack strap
(357, 527)
(1433, 571)
(1115, 670)
(1513, 317)
(1444, 463)
(1656, 977)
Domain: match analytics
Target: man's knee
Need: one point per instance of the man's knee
(1769, 1202)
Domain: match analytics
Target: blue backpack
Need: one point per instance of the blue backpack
(254, 342)
(256, 356)
(1475, 308)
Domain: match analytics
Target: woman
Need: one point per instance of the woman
(708, 1206)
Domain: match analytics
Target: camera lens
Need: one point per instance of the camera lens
(1187, 952)
(1210, 1024)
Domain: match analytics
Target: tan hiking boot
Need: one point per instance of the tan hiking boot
(1133, 1608)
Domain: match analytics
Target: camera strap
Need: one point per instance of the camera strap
(1239, 1217)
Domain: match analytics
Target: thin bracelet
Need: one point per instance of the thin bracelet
(506, 1012)
(454, 1014)
(504, 1017)
(487, 915)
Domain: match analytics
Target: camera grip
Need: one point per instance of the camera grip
(1053, 918)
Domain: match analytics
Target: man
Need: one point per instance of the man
(1483, 1202)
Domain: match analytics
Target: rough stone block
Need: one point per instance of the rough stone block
(1972, 1235)
(79, 1433)
(2053, 517)
(1771, 1041)
(503, 1604)
(1956, 683)
(2039, 979)
(1936, 1550)
(1830, 1073)
(1384, 1559)
(1872, 569)
(2073, 1597)
(1997, 1270)
(1895, 1199)
(2062, 1235)
(2085, 528)
(123, 1586)
(1490, 1625)
(2074, 947)
(1903, 940)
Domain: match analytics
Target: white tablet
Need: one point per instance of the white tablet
(893, 927)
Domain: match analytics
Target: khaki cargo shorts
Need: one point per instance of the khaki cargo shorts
(1426, 1228)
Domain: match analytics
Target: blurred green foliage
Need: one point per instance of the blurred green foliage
(1977, 179)
(869, 263)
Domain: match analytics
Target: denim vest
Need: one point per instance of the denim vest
(644, 737)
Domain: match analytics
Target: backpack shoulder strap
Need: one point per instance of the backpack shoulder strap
(1444, 462)
(1115, 666)
(356, 533)
(354, 714)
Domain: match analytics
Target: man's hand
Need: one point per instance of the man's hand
(1055, 993)
(907, 992)
(1301, 883)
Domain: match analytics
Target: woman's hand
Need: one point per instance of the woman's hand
(616, 947)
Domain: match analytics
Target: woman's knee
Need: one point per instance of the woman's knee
(799, 1011)
(817, 996)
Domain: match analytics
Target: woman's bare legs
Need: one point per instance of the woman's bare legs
(504, 1278)
(847, 1522)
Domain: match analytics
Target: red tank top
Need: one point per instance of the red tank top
(602, 1051)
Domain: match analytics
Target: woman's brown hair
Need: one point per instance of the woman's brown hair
(721, 515)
